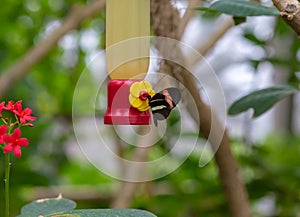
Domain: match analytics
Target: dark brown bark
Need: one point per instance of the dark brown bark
(290, 12)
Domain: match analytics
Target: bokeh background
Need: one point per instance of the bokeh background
(259, 53)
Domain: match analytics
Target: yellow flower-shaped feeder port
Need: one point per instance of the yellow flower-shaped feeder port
(139, 93)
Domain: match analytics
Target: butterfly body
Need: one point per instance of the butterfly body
(163, 102)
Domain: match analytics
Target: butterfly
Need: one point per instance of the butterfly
(163, 102)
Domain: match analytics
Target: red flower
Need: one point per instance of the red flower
(24, 115)
(14, 143)
(11, 106)
(3, 129)
(1, 108)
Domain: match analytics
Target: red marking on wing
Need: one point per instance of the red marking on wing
(168, 98)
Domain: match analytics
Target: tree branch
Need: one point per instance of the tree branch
(189, 13)
(290, 12)
(165, 23)
(207, 45)
(73, 20)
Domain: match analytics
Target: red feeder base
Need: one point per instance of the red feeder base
(119, 111)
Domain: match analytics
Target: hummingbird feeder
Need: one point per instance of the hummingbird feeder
(127, 60)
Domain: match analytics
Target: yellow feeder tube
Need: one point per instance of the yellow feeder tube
(126, 22)
(127, 58)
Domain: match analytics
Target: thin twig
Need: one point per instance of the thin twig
(207, 45)
(290, 12)
(7, 176)
(189, 13)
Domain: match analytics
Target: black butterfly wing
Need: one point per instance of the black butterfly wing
(163, 102)
(159, 105)
(174, 94)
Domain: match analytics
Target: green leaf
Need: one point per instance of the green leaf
(60, 207)
(239, 20)
(261, 100)
(47, 206)
(242, 8)
(208, 13)
(105, 213)
(209, 10)
(251, 37)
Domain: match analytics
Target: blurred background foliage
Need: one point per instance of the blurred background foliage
(270, 166)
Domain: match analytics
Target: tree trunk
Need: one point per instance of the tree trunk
(166, 19)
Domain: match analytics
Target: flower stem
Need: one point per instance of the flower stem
(6, 180)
